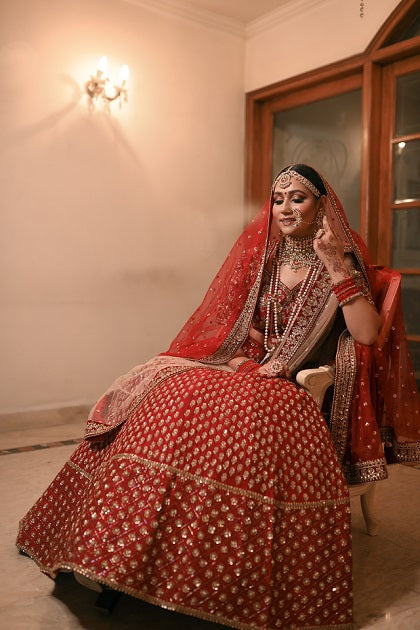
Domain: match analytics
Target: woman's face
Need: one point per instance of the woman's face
(295, 209)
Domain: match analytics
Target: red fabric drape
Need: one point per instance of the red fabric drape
(231, 297)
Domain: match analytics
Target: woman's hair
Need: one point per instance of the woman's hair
(310, 174)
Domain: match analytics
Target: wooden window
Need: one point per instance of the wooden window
(383, 85)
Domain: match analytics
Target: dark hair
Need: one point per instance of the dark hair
(310, 174)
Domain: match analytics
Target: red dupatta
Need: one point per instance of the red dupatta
(220, 324)
(385, 407)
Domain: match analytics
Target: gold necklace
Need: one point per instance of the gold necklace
(298, 252)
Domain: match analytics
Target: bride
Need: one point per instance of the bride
(208, 482)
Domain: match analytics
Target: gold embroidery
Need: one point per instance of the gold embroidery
(403, 452)
(80, 470)
(238, 334)
(363, 472)
(345, 376)
(304, 319)
(97, 428)
(233, 489)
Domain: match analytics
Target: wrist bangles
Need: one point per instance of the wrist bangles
(346, 290)
(247, 365)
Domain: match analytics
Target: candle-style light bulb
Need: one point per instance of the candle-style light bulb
(102, 65)
(124, 74)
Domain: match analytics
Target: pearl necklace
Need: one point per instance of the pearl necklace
(298, 252)
(305, 259)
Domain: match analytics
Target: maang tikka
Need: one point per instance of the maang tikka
(284, 179)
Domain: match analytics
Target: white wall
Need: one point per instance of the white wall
(111, 225)
(308, 34)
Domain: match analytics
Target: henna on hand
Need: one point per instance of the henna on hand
(329, 249)
(332, 256)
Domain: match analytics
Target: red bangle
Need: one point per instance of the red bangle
(341, 285)
(346, 290)
(247, 366)
(238, 365)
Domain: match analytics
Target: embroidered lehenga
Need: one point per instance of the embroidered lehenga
(222, 494)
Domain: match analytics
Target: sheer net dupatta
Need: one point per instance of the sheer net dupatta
(376, 402)
(220, 324)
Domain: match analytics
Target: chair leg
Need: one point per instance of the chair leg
(107, 597)
(367, 505)
(106, 600)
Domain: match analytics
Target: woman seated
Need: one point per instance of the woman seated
(209, 482)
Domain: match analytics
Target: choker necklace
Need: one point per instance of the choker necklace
(298, 252)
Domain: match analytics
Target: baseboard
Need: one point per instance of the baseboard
(43, 418)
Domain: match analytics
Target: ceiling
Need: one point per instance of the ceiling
(242, 10)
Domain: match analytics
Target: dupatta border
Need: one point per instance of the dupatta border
(345, 377)
(401, 451)
(97, 429)
(301, 325)
(364, 472)
(239, 331)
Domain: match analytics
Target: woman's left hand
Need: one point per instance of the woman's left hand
(330, 251)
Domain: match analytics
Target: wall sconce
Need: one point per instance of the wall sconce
(100, 89)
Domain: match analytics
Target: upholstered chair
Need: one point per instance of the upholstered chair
(317, 382)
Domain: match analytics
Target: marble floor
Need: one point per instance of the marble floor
(386, 567)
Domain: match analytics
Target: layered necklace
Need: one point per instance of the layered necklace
(297, 253)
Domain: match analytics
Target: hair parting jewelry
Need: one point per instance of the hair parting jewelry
(284, 179)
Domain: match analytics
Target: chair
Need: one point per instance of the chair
(316, 381)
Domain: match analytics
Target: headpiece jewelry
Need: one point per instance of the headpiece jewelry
(284, 180)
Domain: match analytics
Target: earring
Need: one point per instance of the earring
(319, 219)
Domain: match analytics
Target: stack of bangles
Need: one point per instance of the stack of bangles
(247, 365)
(346, 290)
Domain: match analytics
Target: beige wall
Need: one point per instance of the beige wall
(111, 225)
(309, 34)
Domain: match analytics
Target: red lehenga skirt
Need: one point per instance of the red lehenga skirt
(220, 496)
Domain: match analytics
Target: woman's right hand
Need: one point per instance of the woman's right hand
(274, 369)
